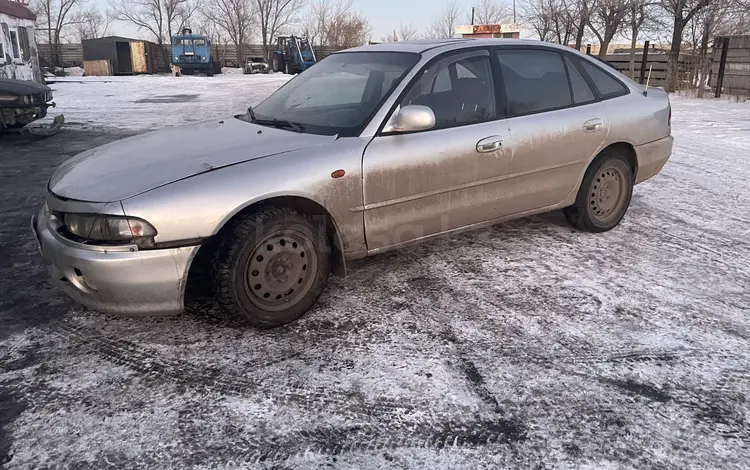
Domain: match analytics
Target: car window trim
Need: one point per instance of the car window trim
(477, 51)
(578, 62)
(575, 60)
(543, 49)
(589, 85)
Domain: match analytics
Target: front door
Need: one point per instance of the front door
(423, 183)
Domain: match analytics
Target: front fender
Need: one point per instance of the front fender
(199, 206)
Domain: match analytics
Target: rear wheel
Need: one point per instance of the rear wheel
(272, 266)
(210, 71)
(604, 196)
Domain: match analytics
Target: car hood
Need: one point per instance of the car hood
(21, 87)
(131, 166)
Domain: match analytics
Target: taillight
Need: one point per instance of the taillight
(669, 121)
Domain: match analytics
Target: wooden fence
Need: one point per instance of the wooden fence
(736, 80)
(656, 61)
(71, 55)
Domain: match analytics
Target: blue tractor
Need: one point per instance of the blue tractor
(192, 54)
(293, 55)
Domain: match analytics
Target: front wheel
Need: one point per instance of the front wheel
(604, 196)
(272, 266)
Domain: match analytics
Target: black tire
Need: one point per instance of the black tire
(288, 69)
(239, 288)
(279, 64)
(593, 210)
(210, 71)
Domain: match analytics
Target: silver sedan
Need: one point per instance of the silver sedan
(373, 149)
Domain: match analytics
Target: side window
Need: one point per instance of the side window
(534, 80)
(605, 83)
(458, 89)
(14, 44)
(581, 91)
(23, 37)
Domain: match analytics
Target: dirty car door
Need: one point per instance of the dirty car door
(555, 125)
(422, 183)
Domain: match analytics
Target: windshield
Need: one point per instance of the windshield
(340, 94)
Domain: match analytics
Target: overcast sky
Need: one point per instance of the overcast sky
(384, 15)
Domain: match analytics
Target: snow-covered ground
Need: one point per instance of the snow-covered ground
(525, 345)
(145, 102)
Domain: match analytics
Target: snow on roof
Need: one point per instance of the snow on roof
(17, 10)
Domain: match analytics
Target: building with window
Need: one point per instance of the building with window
(489, 31)
(18, 53)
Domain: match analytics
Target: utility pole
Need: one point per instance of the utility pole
(472, 16)
(514, 11)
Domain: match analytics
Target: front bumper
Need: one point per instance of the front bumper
(652, 157)
(119, 280)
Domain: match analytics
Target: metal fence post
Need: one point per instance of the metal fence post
(644, 62)
(588, 49)
(722, 67)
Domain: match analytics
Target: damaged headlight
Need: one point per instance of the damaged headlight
(108, 228)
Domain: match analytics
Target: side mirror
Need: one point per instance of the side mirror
(414, 118)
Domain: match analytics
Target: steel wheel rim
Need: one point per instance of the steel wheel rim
(607, 194)
(281, 270)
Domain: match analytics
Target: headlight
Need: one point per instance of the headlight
(176, 58)
(108, 227)
(26, 100)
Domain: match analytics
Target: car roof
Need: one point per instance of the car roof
(425, 45)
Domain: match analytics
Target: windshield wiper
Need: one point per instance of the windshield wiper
(279, 124)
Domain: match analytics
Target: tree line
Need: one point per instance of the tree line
(677, 25)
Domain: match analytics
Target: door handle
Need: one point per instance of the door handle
(593, 125)
(490, 144)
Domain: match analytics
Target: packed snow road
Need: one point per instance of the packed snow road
(523, 345)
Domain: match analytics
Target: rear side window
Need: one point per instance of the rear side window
(606, 84)
(534, 81)
(581, 91)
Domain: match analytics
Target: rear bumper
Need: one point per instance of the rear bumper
(652, 157)
(150, 282)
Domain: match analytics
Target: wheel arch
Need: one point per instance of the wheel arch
(299, 203)
(626, 149)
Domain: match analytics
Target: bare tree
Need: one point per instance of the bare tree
(538, 15)
(444, 25)
(607, 20)
(160, 18)
(680, 13)
(56, 17)
(638, 12)
(406, 32)
(318, 17)
(490, 12)
(233, 17)
(348, 29)
(580, 11)
(563, 22)
(92, 23)
(273, 17)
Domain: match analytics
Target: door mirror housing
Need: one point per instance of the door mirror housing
(413, 118)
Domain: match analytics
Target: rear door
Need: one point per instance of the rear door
(555, 124)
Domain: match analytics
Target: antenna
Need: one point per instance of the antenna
(648, 79)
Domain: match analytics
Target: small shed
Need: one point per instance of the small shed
(115, 55)
(18, 53)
